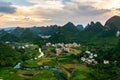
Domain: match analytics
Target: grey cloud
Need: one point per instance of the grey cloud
(26, 19)
(5, 7)
(118, 9)
(73, 12)
(86, 10)
(91, 11)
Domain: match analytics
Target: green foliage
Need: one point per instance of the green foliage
(30, 63)
(8, 56)
(9, 74)
(45, 75)
(59, 36)
(67, 33)
(105, 72)
(81, 73)
(29, 53)
(9, 37)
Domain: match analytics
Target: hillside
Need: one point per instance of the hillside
(67, 33)
(49, 30)
(113, 22)
(8, 56)
(94, 32)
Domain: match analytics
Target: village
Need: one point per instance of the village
(89, 58)
(61, 47)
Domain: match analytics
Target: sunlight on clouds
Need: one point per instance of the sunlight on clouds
(48, 4)
(101, 4)
(26, 19)
(45, 12)
(111, 5)
(24, 10)
(28, 13)
(22, 21)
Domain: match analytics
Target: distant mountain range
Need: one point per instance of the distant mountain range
(67, 33)
(8, 29)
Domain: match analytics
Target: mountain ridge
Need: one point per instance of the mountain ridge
(69, 32)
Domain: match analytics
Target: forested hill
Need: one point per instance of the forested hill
(8, 56)
(94, 33)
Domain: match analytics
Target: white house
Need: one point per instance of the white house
(117, 33)
(48, 44)
(106, 62)
(82, 58)
(58, 50)
(95, 55)
(88, 52)
(91, 56)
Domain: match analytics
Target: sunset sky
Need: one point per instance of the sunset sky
(27, 13)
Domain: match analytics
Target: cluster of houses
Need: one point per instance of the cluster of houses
(61, 47)
(89, 58)
(106, 62)
(45, 37)
(20, 45)
(23, 46)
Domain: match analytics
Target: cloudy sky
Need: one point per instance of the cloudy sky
(27, 13)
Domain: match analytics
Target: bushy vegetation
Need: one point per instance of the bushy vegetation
(45, 75)
(81, 73)
(8, 56)
(11, 74)
(102, 71)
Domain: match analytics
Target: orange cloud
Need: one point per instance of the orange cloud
(47, 12)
